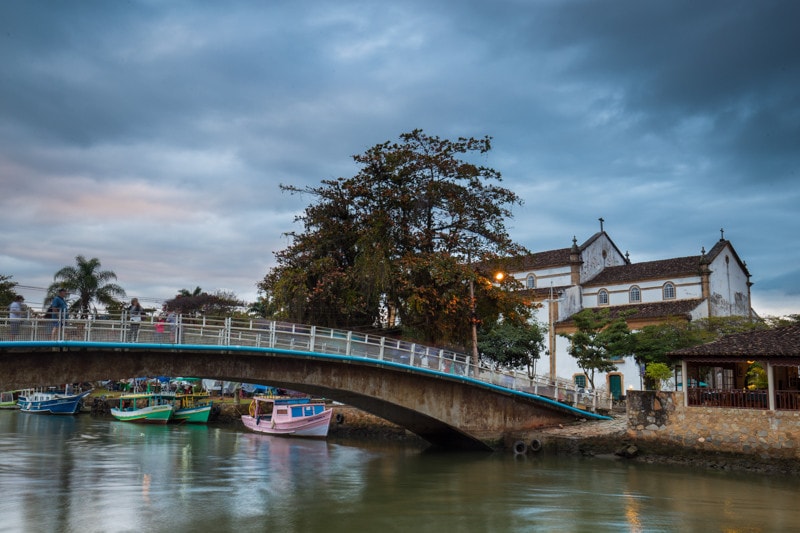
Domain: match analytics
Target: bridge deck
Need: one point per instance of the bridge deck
(228, 335)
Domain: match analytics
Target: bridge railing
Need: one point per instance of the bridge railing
(262, 333)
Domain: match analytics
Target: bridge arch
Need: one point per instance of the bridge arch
(444, 409)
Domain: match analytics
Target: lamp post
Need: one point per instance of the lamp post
(474, 320)
(498, 276)
(552, 313)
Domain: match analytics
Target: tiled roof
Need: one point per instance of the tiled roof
(549, 258)
(777, 342)
(672, 308)
(661, 269)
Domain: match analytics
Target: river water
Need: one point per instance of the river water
(87, 474)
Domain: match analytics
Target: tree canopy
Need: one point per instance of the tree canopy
(397, 244)
(514, 345)
(199, 302)
(89, 283)
(600, 339)
(7, 292)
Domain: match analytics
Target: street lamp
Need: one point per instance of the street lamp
(498, 276)
(474, 320)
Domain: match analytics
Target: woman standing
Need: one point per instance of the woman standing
(135, 312)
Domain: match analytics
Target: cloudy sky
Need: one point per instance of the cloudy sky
(153, 135)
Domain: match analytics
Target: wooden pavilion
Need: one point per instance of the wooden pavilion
(716, 374)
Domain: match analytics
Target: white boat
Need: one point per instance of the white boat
(289, 417)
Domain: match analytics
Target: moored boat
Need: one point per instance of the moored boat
(144, 408)
(9, 399)
(51, 402)
(289, 417)
(193, 407)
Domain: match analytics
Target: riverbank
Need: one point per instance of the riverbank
(614, 439)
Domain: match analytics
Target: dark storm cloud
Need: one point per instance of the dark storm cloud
(152, 134)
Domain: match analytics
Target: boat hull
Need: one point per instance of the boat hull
(52, 403)
(192, 415)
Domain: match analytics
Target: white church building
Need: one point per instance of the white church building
(596, 274)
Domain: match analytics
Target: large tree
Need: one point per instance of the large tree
(600, 339)
(89, 283)
(514, 345)
(200, 303)
(7, 292)
(398, 243)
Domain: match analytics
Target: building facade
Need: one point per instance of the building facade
(597, 275)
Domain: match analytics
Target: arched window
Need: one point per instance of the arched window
(602, 297)
(530, 282)
(635, 294)
(669, 291)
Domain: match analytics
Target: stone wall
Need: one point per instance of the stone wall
(659, 420)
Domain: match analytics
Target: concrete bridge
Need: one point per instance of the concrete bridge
(432, 393)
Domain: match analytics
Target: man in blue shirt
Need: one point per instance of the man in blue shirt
(58, 309)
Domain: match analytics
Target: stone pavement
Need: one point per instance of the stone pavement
(617, 426)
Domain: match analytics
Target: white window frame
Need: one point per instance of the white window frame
(635, 290)
(602, 297)
(668, 286)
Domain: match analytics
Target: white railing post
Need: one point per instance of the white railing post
(312, 338)
(122, 326)
(380, 353)
(348, 349)
(272, 334)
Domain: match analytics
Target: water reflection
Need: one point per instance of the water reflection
(95, 474)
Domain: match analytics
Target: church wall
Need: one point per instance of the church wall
(599, 255)
(728, 286)
(651, 291)
(545, 277)
(688, 288)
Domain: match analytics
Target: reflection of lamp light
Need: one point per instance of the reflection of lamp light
(630, 387)
(750, 362)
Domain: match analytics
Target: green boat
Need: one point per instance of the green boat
(194, 408)
(8, 399)
(144, 408)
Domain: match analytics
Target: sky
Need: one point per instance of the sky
(154, 135)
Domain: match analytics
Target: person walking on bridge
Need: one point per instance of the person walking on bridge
(58, 312)
(16, 312)
(135, 311)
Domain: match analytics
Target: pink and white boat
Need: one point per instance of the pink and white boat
(288, 417)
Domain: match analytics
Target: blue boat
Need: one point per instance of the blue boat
(51, 402)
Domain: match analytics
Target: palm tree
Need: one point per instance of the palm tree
(185, 292)
(89, 283)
